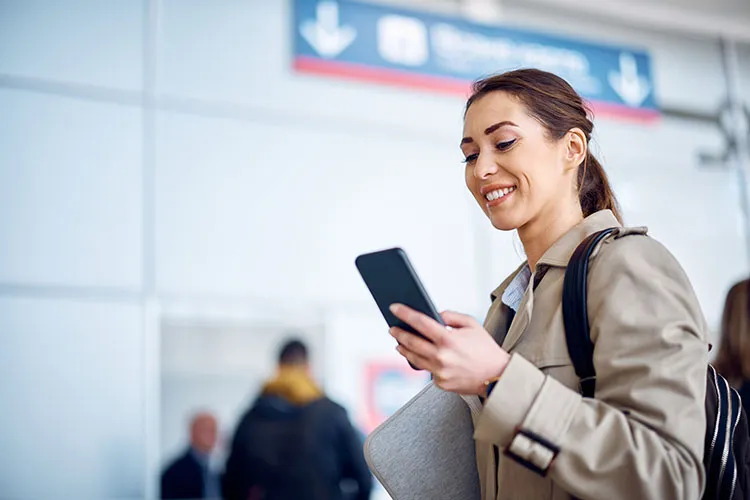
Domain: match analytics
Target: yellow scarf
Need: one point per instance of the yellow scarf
(293, 384)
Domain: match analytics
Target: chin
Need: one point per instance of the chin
(504, 223)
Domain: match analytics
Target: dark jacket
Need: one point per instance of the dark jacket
(183, 479)
(286, 451)
(744, 391)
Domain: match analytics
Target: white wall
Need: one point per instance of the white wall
(267, 185)
(70, 196)
(72, 392)
(97, 43)
(282, 211)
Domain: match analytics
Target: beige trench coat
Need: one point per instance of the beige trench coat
(642, 435)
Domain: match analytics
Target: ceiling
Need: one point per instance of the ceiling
(729, 8)
(714, 18)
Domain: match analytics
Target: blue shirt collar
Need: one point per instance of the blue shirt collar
(513, 294)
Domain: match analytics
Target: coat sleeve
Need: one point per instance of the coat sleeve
(643, 434)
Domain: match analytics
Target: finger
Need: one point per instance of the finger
(422, 323)
(415, 343)
(444, 384)
(413, 358)
(442, 380)
(458, 320)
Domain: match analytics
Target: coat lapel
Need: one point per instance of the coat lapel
(522, 319)
(497, 317)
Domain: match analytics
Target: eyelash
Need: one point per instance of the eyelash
(500, 146)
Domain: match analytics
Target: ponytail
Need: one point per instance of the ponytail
(594, 191)
(733, 358)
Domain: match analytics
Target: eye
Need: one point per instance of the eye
(504, 146)
(471, 158)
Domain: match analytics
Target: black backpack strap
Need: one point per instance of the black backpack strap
(575, 312)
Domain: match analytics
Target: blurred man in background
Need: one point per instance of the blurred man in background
(190, 476)
(294, 443)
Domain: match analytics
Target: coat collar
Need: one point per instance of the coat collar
(560, 251)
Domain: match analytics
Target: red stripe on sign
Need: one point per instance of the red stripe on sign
(445, 85)
(379, 75)
(637, 115)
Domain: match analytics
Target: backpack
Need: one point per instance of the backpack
(727, 443)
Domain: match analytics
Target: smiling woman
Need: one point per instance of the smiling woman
(528, 165)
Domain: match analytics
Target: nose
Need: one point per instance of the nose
(485, 166)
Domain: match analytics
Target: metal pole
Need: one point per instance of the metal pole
(738, 132)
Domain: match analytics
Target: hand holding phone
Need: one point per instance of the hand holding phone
(391, 279)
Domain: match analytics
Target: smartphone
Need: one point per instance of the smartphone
(391, 278)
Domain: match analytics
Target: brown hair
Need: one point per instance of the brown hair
(559, 108)
(733, 359)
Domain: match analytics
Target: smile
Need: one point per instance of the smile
(499, 193)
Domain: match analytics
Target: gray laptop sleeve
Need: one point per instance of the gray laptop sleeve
(425, 451)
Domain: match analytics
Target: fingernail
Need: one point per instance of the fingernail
(393, 308)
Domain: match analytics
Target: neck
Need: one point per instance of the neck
(539, 234)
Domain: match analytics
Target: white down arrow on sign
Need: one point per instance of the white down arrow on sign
(324, 34)
(629, 85)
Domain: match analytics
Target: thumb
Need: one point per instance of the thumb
(458, 320)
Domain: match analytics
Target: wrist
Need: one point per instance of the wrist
(496, 372)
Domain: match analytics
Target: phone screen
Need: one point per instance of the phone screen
(391, 278)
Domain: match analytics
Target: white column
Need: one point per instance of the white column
(736, 128)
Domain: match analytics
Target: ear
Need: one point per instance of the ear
(576, 147)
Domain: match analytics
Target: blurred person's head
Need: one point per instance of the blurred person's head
(293, 380)
(733, 359)
(203, 432)
(526, 143)
(293, 353)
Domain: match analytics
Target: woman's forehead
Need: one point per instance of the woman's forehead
(493, 108)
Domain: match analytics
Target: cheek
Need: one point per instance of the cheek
(471, 181)
(543, 175)
(473, 185)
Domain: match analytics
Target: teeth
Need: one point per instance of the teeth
(499, 193)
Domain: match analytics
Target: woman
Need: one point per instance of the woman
(733, 359)
(528, 164)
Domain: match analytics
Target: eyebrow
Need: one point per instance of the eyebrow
(489, 130)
